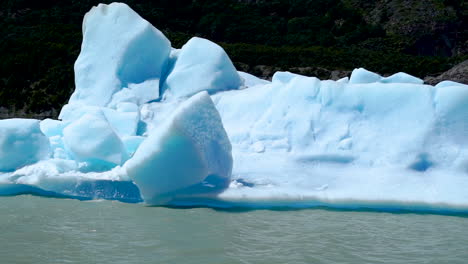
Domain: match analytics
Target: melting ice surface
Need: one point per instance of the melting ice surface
(151, 123)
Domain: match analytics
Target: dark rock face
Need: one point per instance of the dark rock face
(266, 72)
(459, 73)
(321, 73)
(6, 113)
(431, 27)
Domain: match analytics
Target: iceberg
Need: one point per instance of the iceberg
(181, 127)
(189, 154)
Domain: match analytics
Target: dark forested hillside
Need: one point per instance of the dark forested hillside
(40, 40)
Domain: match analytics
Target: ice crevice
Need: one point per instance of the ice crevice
(151, 123)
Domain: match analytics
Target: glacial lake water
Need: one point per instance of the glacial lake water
(47, 230)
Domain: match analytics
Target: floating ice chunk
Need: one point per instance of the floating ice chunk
(251, 80)
(21, 143)
(119, 49)
(201, 65)
(401, 77)
(92, 139)
(187, 156)
(370, 141)
(449, 83)
(362, 75)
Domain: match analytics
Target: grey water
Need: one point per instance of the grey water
(47, 230)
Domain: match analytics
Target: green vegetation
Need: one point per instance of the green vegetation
(40, 40)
